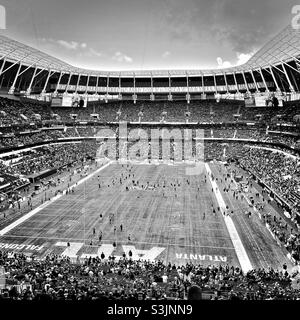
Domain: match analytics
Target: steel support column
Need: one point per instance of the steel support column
(12, 88)
(215, 82)
(77, 84)
(224, 73)
(56, 89)
(47, 80)
(28, 91)
(264, 80)
(256, 86)
(288, 79)
(246, 83)
(87, 84)
(275, 81)
(68, 84)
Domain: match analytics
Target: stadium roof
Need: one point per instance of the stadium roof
(282, 48)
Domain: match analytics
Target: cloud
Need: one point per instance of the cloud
(223, 64)
(248, 25)
(93, 53)
(72, 45)
(239, 25)
(166, 54)
(121, 57)
(69, 45)
(82, 49)
(181, 20)
(241, 58)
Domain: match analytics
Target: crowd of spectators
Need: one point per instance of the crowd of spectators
(17, 169)
(70, 132)
(224, 151)
(288, 140)
(87, 131)
(202, 111)
(12, 112)
(252, 134)
(223, 133)
(225, 112)
(29, 138)
(10, 180)
(51, 157)
(278, 170)
(105, 278)
(284, 234)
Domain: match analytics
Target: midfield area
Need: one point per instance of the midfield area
(165, 215)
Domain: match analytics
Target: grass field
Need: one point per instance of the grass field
(162, 223)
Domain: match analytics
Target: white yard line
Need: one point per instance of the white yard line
(15, 236)
(44, 205)
(234, 236)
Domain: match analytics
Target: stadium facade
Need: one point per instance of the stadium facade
(273, 69)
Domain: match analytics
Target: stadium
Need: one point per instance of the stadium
(145, 184)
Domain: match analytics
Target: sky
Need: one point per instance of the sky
(147, 34)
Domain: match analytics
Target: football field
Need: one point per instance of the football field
(165, 215)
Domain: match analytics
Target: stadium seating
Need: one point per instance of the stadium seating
(279, 171)
(56, 278)
(205, 111)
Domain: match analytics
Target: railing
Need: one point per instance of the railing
(190, 89)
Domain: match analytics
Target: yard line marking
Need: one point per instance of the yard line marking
(112, 240)
(75, 223)
(44, 205)
(237, 243)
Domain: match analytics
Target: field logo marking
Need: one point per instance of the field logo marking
(21, 247)
(201, 257)
(72, 250)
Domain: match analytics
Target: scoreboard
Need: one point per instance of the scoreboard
(56, 102)
(264, 100)
(74, 101)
